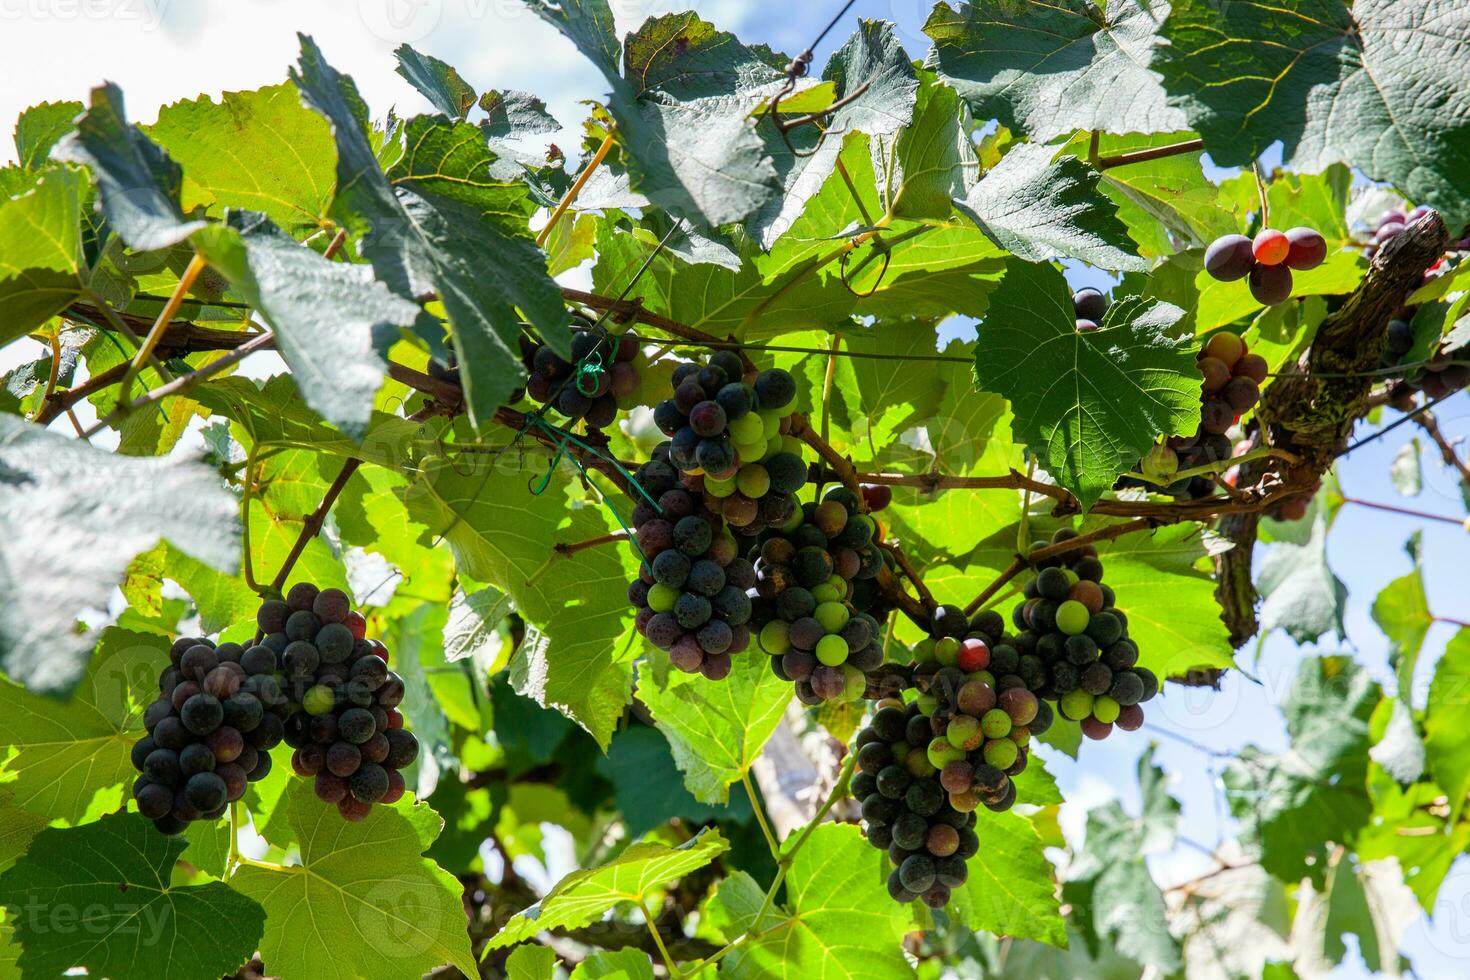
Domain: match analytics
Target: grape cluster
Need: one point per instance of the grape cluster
(906, 810)
(1090, 305)
(1266, 260)
(1069, 621)
(593, 396)
(1390, 223)
(344, 721)
(731, 440)
(803, 583)
(219, 713)
(1445, 373)
(691, 591)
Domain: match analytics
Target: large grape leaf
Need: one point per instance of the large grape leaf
(81, 515)
(65, 759)
(436, 81)
(932, 160)
(444, 225)
(584, 896)
(715, 730)
(1089, 405)
(841, 921)
(1299, 591)
(257, 151)
(331, 319)
(363, 902)
(1447, 738)
(41, 265)
(138, 181)
(1293, 804)
(1011, 892)
(871, 57)
(530, 963)
(1040, 208)
(577, 605)
(100, 896)
(1047, 68)
(1333, 82)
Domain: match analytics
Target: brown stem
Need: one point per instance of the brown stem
(61, 401)
(1021, 563)
(633, 310)
(335, 245)
(314, 521)
(1430, 425)
(912, 574)
(1406, 511)
(1016, 567)
(1152, 153)
(569, 548)
(165, 316)
(576, 188)
(183, 382)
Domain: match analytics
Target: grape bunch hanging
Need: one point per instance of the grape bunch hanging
(690, 593)
(599, 379)
(218, 714)
(732, 441)
(343, 720)
(1266, 261)
(803, 582)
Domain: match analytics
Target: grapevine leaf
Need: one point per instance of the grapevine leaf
(1400, 749)
(444, 225)
(40, 274)
(842, 922)
(1299, 591)
(934, 159)
(338, 914)
(133, 922)
(1011, 892)
(715, 730)
(1334, 83)
(1105, 396)
(1405, 472)
(436, 81)
(619, 964)
(1046, 69)
(83, 514)
(738, 905)
(17, 829)
(331, 319)
(39, 129)
(1295, 803)
(1447, 739)
(1402, 613)
(584, 896)
(649, 791)
(473, 619)
(530, 963)
(528, 732)
(1039, 209)
(512, 114)
(138, 181)
(504, 535)
(68, 758)
(257, 151)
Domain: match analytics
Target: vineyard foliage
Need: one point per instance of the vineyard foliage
(866, 261)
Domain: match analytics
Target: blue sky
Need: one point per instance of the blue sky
(160, 50)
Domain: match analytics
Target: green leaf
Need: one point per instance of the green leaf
(69, 758)
(82, 515)
(1010, 891)
(1399, 749)
(1405, 472)
(1299, 592)
(290, 171)
(735, 903)
(110, 881)
(138, 181)
(530, 963)
(842, 922)
(641, 766)
(444, 225)
(584, 896)
(1402, 612)
(1446, 737)
(17, 829)
(513, 114)
(504, 535)
(436, 81)
(471, 631)
(934, 160)
(1040, 208)
(40, 273)
(1046, 69)
(1104, 396)
(621, 964)
(338, 913)
(715, 730)
(40, 127)
(331, 319)
(1332, 82)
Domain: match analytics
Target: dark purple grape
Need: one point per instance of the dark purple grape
(1229, 258)
(1270, 284)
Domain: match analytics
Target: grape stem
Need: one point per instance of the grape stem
(1021, 563)
(1152, 153)
(1430, 425)
(1405, 511)
(1209, 469)
(169, 311)
(911, 573)
(314, 521)
(658, 940)
(760, 815)
(568, 548)
(571, 195)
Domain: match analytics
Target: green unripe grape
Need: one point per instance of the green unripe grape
(770, 422)
(747, 428)
(947, 651)
(1072, 578)
(1001, 753)
(900, 751)
(793, 445)
(319, 700)
(961, 729)
(718, 488)
(753, 481)
(826, 593)
(1106, 710)
(924, 650)
(1072, 617)
(1076, 705)
(774, 638)
(941, 751)
(794, 522)
(661, 598)
(995, 723)
(984, 676)
(1020, 735)
(918, 764)
(833, 616)
(856, 681)
(774, 445)
(750, 452)
(927, 703)
(832, 651)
